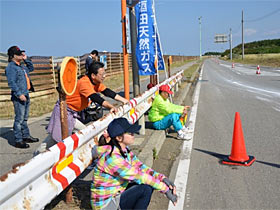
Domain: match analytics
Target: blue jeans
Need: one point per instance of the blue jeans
(21, 109)
(136, 197)
(167, 121)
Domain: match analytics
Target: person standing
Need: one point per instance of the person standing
(93, 56)
(17, 75)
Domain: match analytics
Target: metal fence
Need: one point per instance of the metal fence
(45, 75)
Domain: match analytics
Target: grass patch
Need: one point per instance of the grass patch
(155, 154)
(180, 63)
(38, 107)
(272, 60)
(190, 71)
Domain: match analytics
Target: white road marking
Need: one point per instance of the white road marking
(181, 178)
(258, 90)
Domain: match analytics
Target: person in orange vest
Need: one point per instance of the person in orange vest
(88, 89)
(17, 75)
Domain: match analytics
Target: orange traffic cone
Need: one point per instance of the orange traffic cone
(232, 65)
(238, 150)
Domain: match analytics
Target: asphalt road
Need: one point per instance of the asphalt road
(224, 91)
(10, 156)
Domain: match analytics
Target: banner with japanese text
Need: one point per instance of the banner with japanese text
(145, 48)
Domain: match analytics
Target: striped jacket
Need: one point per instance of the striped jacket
(113, 173)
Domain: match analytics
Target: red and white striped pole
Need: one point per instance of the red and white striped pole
(258, 70)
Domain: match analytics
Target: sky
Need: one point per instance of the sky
(73, 28)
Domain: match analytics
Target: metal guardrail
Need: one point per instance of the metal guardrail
(35, 183)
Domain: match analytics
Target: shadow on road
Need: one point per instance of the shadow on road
(8, 135)
(221, 157)
(269, 164)
(214, 154)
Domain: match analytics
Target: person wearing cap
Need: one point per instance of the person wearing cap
(93, 56)
(163, 113)
(120, 179)
(18, 80)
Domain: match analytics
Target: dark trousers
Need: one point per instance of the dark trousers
(21, 109)
(136, 197)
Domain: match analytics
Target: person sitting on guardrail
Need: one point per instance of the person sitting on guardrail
(87, 90)
(120, 179)
(93, 56)
(163, 113)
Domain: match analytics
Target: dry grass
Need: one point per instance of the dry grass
(189, 72)
(272, 60)
(38, 107)
(180, 63)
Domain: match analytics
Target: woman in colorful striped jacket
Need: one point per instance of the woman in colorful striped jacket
(120, 179)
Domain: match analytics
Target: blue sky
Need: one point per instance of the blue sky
(72, 28)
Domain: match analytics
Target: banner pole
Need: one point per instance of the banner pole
(124, 47)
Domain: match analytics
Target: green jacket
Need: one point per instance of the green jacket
(161, 108)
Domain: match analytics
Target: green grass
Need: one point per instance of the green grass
(272, 60)
(190, 71)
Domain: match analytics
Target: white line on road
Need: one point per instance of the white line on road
(185, 156)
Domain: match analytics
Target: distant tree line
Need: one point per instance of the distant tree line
(212, 53)
(256, 47)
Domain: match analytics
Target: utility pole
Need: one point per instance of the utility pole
(230, 43)
(242, 21)
(200, 36)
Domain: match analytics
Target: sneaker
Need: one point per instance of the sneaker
(184, 129)
(183, 136)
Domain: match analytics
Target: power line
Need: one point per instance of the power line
(263, 17)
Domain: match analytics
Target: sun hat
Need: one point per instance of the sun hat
(165, 88)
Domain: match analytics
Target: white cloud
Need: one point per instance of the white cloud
(272, 32)
(249, 31)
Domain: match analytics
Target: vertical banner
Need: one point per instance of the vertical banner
(145, 48)
(161, 64)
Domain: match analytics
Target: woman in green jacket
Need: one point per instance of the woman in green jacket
(163, 113)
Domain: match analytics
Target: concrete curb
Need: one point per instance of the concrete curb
(152, 147)
(158, 137)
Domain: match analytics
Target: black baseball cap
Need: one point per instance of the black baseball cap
(120, 126)
(14, 50)
(94, 52)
